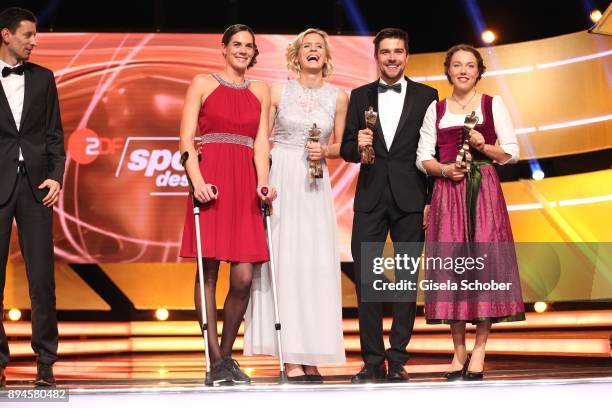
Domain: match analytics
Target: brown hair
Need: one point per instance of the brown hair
(236, 28)
(468, 48)
(390, 33)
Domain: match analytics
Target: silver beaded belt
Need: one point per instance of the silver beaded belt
(227, 138)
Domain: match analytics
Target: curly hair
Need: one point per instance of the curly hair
(294, 47)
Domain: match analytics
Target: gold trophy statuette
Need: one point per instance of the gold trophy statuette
(315, 167)
(464, 157)
(367, 152)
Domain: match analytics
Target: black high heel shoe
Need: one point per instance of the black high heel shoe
(298, 379)
(471, 376)
(458, 374)
(313, 378)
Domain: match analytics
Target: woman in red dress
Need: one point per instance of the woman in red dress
(229, 113)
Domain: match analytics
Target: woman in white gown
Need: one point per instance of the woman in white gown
(304, 231)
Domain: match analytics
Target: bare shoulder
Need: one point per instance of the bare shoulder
(204, 82)
(259, 88)
(342, 98)
(276, 91)
(277, 87)
(202, 85)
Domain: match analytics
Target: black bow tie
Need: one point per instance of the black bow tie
(6, 71)
(395, 87)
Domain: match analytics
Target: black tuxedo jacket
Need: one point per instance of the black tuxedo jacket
(396, 166)
(41, 136)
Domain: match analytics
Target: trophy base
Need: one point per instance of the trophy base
(367, 155)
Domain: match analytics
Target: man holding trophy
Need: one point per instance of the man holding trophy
(382, 133)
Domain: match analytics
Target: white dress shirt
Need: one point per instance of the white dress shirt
(14, 88)
(390, 105)
(506, 138)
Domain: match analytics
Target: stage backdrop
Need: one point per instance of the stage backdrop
(122, 95)
(121, 98)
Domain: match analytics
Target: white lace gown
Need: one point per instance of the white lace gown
(305, 242)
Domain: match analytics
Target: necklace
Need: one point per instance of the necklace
(232, 81)
(463, 106)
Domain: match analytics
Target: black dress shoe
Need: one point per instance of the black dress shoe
(397, 373)
(457, 374)
(370, 373)
(2, 378)
(471, 376)
(44, 375)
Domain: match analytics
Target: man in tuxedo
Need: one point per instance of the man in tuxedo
(391, 193)
(31, 171)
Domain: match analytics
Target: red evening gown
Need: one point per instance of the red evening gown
(231, 226)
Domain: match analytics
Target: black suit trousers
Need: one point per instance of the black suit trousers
(374, 226)
(34, 226)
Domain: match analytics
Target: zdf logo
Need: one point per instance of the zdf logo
(85, 145)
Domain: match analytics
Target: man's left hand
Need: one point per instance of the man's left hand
(52, 196)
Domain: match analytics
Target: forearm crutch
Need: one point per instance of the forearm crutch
(196, 215)
(277, 325)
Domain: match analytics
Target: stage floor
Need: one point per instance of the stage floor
(557, 356)
(176, 379)
(187, 370)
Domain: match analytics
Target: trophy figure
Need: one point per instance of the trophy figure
(367, 152)
(464, 157)
(315, 167)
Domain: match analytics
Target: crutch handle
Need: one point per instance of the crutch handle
(265, 207)
(184, 158)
